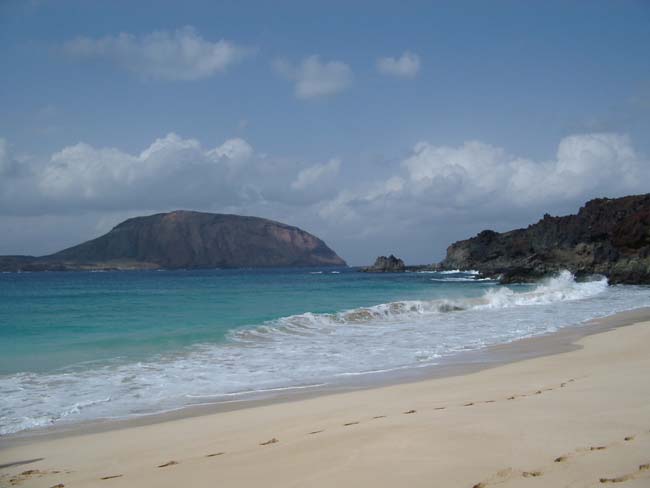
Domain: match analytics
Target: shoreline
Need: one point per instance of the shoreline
(463, 363)
(571, 409)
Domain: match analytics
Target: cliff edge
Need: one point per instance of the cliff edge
(607, 236)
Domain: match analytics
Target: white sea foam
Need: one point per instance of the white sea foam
(462, 279)
(560, 288)
(311, 349)
(454, 271)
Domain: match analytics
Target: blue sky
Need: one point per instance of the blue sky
(380, 126)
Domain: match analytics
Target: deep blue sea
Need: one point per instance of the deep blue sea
(82, 346)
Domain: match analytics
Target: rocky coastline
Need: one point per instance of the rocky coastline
(609, 237)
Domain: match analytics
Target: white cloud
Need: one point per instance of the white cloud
(584, 164)
(179, 55)
(315, 174)
(172, 169)
(234, 150)
(406, 66)
(477, 179)
(172, 172)
(315, 78)
(179, 172)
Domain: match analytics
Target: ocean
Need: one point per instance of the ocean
(83, 346)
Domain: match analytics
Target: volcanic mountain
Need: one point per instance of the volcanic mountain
(186, 239)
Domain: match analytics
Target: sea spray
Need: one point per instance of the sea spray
(562, 287)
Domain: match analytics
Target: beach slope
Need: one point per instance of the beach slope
(578, 418)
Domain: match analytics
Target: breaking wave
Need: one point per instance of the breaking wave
(310, 349)
(562, 287)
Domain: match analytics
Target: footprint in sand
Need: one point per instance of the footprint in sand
(379, 417)
(626, 477)
(511, 397)
(270, 441)
(29, 474)
(215, 454)
(32, 472)
(531, 474)
(316, 432)
(468, 404)
(350, 423)
(561, 459)
(597, 448)
(168, 463)
(499, 477)
(111, 476)
(629, 438)
(409, 412)
(60, 485)
(617, 479)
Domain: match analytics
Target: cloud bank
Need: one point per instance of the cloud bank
(171, 172)
(481, 179)
(162, 55)
(432, 195)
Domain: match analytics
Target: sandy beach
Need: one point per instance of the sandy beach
(575, 418)
(324, 244)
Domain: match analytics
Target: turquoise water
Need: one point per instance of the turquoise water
(81, 346)
(54, 320)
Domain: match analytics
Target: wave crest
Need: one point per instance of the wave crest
(562, 287)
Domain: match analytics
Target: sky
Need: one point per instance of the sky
(381, 127)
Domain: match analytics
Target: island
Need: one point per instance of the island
(184, 240)
(386, 264)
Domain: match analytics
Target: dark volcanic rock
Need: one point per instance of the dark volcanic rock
(607, 236)
(185, 239)
(384, 264)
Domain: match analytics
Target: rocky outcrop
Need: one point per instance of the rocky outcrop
(383, 264)
(607, 236)
(184, 239)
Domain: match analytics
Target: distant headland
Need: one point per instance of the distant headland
(186, 239)
(608, 236)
